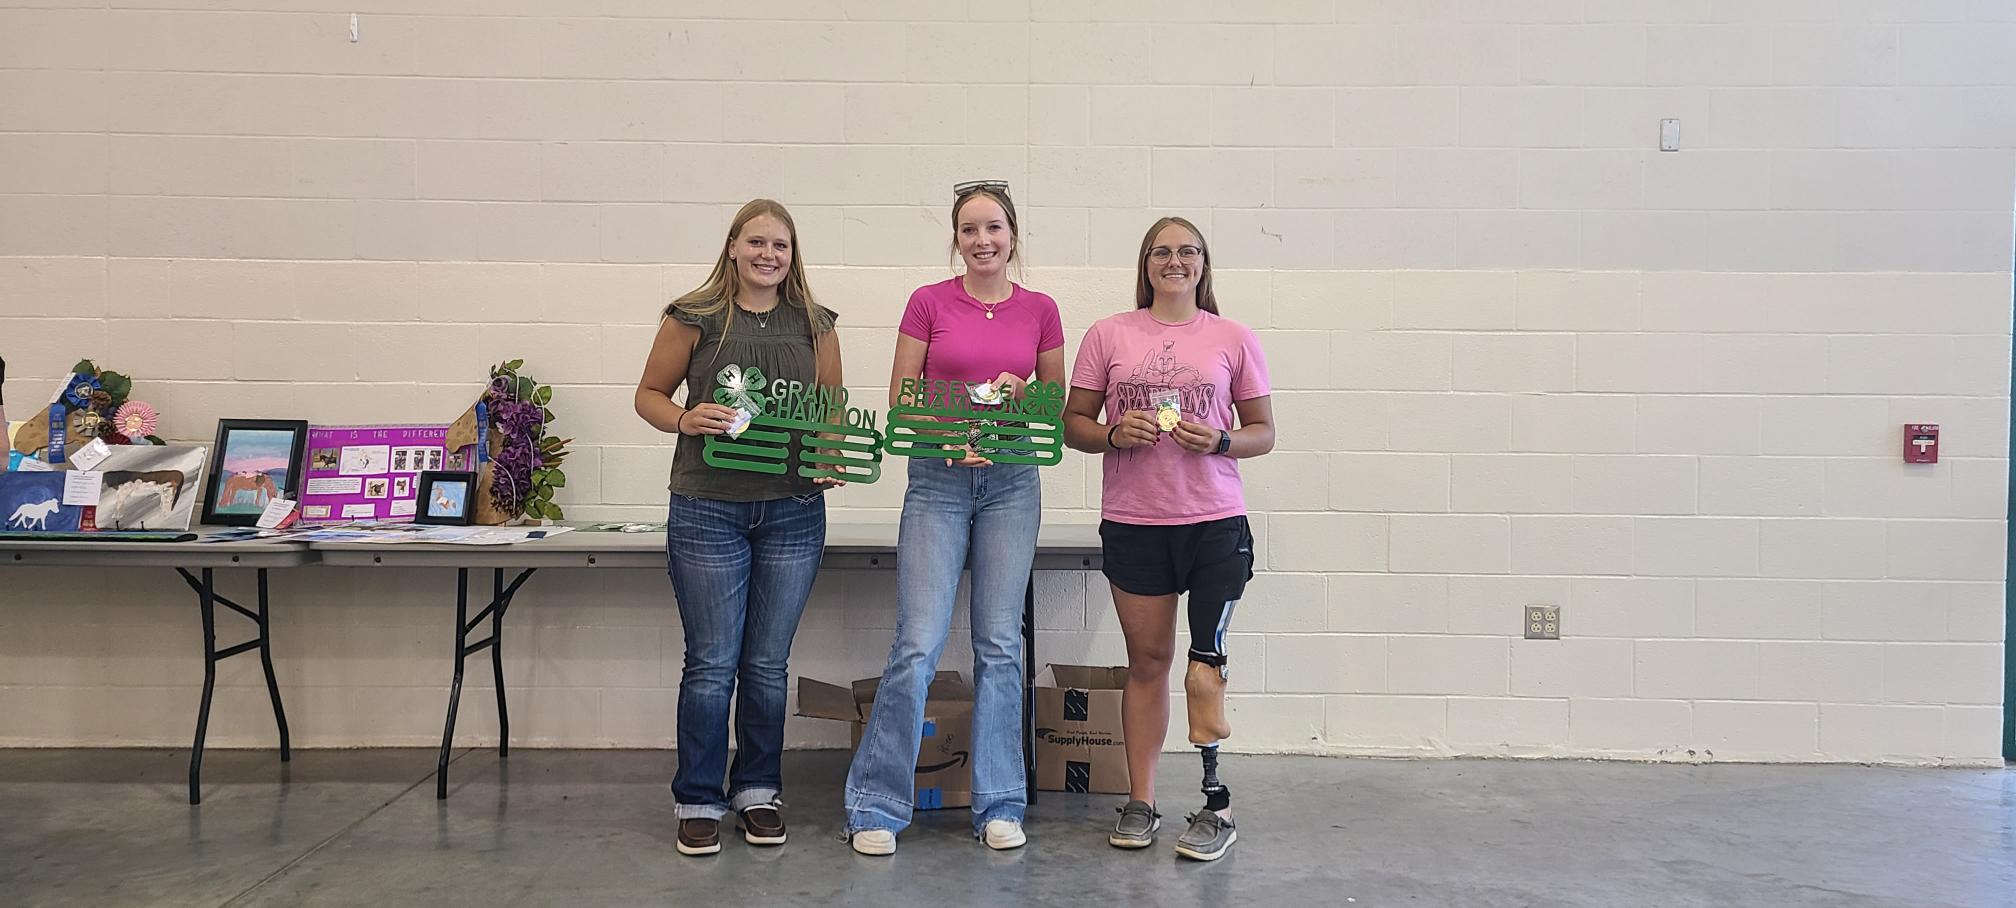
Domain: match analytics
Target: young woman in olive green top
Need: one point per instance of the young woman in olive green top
(742, 548)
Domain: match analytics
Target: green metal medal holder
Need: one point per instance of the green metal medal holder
(934, 417)
(797, 418)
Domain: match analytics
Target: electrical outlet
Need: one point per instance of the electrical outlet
(1543, 622)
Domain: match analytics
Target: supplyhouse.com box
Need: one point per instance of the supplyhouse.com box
(1079, 742)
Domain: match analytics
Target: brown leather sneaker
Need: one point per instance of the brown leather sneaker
(763, 825)
(699, 835)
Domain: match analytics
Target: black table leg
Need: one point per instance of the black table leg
(1029, 685)
(207, 601)
(497, 663)
(266, 662)
(206, 598)
(455, 687)
(500, 602)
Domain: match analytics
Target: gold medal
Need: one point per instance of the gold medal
(741, 422)
(1168, 409)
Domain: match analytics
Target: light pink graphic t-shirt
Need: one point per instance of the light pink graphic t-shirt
(967, 346)
(1209, 362)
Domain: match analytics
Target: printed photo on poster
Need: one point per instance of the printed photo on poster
(366, 460)
(402, 487)
(376, 488)
(253, 462)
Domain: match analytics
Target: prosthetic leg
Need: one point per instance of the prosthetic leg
(1204, 695)
(1204, 689)
(1204, 678)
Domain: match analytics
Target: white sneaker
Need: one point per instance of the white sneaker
(1002, 835)
(873, 841)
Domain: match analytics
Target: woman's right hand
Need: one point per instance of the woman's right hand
(1136, 428)
(706, 419)
(972, 459)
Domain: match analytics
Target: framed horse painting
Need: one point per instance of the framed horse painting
(253, 462)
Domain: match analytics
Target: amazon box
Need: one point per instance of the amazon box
(1079, 742)
(945, 757)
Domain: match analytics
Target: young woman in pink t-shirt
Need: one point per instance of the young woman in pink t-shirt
(977, 328)
(1169, 376)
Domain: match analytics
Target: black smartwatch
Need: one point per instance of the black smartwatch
(1224, 442)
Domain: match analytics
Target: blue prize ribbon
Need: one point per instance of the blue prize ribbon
(59, 429)
(482, 433)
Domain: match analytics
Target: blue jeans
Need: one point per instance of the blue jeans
(950, 514)
(742, 571)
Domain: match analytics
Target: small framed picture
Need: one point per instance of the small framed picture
(446, 498)
(254, 462)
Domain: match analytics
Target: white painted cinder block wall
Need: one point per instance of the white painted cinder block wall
(1519, 355)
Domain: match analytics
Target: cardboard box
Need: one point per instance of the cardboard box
(944, 759)
(1079, 742)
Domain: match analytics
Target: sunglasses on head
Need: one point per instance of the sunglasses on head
(961, 190)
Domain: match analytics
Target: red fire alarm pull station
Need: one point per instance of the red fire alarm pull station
(1921, 443)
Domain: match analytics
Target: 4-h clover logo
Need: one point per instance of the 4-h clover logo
(735, 386)
(1044, 398)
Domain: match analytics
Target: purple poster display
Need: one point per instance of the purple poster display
(369, 472)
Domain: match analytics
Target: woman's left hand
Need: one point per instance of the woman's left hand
(1195, 438)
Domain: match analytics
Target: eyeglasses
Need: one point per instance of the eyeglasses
(1161, 254)
(962, 190)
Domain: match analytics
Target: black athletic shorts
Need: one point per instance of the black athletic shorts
(1213, 558)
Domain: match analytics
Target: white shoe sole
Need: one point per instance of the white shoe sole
(871, 849)
(755, 839)
(1201, 856)
(1008, 844)
(1122, 842)
(699, 850)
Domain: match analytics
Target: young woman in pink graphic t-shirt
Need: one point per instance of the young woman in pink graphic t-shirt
(1170, 377)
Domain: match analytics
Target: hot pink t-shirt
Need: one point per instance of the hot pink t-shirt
(1210, 362)
(966, 346)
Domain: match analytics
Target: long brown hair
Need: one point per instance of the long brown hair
(715, 295)
(1000, 197)
(1144, 293)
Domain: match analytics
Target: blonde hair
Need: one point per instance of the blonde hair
(724, 283)
(1144, 293)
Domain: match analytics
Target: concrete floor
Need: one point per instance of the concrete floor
(106, 827)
